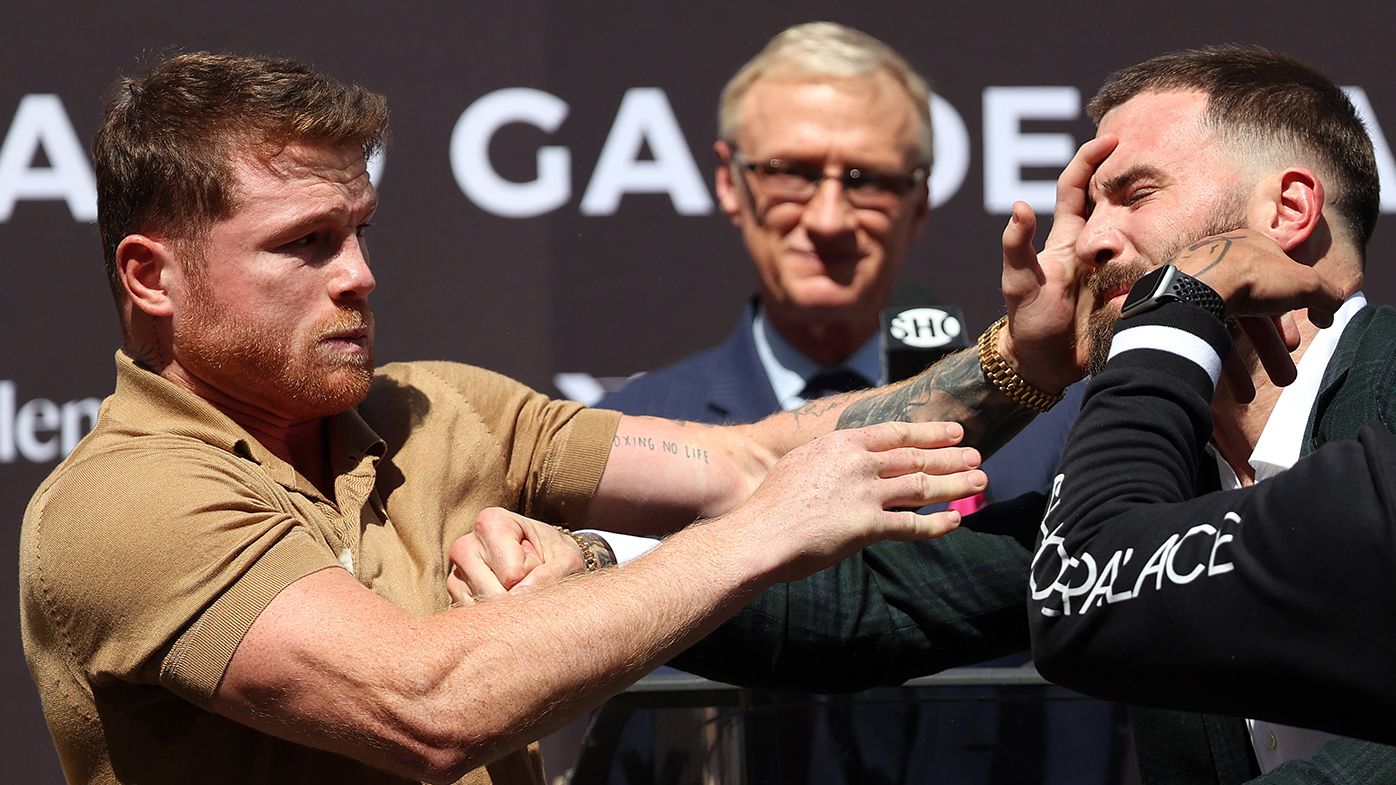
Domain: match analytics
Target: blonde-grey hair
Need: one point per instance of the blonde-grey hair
(828, 49)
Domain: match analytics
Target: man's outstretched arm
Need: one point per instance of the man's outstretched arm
(329, 664)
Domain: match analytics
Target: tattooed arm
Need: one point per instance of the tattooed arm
(954, 389)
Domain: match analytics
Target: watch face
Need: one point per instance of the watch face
(1147, 288)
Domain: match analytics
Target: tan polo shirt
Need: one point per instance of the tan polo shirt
(148, 553)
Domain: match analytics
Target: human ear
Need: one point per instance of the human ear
(1298, 207)
(727, 197)
(143, 265)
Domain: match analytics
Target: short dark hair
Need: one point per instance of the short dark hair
(164, 152)
(1263, 96)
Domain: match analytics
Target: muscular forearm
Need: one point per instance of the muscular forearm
(664, 474)
(432, 697)
(330, 664)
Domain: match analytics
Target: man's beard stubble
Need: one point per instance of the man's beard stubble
(301, 381)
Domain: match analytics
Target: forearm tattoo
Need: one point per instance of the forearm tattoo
(952, 389)
(688, 451)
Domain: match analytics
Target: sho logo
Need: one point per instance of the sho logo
(925, 328)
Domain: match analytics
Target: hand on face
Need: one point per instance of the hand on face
(508, 552)
(1048, 303)
(1256, 278)
(841, 492)
(1261, 285)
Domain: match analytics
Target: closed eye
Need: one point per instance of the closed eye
(1138, 195)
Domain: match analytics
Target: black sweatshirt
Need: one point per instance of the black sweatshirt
(1276, 601)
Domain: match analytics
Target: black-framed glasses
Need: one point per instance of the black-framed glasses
(792, 181)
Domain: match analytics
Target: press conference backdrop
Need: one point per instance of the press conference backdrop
(546, 197)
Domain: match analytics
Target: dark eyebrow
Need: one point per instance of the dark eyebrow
(1122, 182)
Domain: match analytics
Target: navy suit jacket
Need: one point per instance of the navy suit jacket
(727, 384)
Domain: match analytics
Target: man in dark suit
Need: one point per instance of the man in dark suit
(823, 158)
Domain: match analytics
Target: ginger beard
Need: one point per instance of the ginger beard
(301, 377)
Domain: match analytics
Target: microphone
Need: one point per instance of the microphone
(914, 336)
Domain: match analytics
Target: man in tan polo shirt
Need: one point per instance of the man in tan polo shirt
(240, 576)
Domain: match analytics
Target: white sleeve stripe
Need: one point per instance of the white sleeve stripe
(1172, 340)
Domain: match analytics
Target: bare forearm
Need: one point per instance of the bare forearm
(614, 626)
(664, 474)
(432, 697)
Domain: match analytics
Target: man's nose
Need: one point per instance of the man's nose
(1100, 242)
(354, 279)
(828, 212)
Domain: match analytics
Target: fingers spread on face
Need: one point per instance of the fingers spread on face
(1018, 251)
(1075, 179)
(1289, 329)
(1325, 302)
(1237, 378)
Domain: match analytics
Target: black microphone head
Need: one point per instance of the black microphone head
(914, 336)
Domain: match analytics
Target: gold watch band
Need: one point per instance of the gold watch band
(596, 553)
(1000, 374)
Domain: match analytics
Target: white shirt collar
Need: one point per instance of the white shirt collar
(1282, 438)
(789, 370)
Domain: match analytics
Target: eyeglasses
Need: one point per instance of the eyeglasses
(869, 189)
